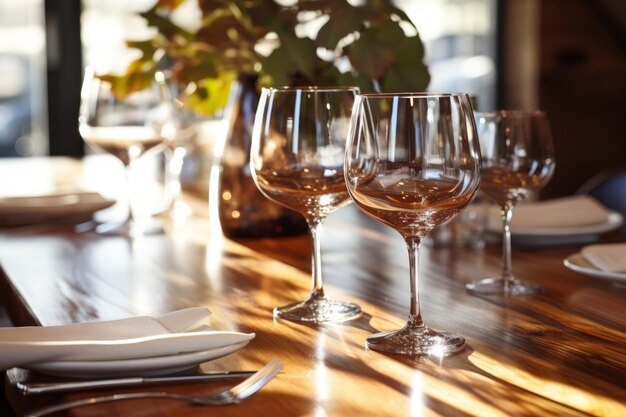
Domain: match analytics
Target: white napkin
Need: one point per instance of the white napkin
(609, 257)
(137, 337)
(565, 212)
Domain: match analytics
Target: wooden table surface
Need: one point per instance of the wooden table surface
(561, 353)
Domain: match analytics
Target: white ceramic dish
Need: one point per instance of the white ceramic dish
(159, 365)
(576, 262)
(48, 208)
(562, 235)
(110, 350)
(71, 203)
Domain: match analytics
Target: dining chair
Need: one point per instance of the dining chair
(608, 187)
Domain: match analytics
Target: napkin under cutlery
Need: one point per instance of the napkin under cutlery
(137, 337)
(610, 257)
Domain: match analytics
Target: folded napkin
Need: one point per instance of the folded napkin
(182, 331)
(565, 212)
(609, 257)
(73, 206)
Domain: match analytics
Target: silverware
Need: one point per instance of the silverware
(30, 388)
(232, 395)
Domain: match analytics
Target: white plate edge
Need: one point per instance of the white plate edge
(139, 364)
(614, 221)
(593, 272)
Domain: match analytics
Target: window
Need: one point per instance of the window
(23, 105)
(459, 38)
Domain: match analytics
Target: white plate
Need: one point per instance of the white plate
(19, 352)
(15, 211)
(576, 262)
(614, 221)
(563, 235)
(159, 365)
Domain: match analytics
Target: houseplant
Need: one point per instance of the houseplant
(310, 42)
(263, 43)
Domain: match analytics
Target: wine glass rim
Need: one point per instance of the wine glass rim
(417, 94)
(514, 113)
(313, 88)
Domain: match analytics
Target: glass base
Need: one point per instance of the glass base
(499, 286)
(318, 310)
(416, 340)
(127, 228)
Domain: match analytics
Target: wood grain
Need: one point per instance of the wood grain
(560, 353)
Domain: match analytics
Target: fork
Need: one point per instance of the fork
(232, 395)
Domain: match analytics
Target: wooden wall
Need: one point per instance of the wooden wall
(577, 73)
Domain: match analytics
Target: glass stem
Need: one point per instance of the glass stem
(415, 316)
(128, 170)
(315, 228)
(175, 159)
(506, 211)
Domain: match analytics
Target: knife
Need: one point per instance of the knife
(27, 388)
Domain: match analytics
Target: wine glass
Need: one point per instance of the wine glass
(413, 162)
(517, 160)
(128, 127)
(204, 130)
(298, 145)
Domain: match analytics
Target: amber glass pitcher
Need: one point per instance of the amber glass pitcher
(244, 212)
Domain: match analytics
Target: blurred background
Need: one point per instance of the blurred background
(567, 57)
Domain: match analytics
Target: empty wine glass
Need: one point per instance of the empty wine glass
(128, 127)
(298, 145)
(413, 162)
(203, 130)
(517, 160)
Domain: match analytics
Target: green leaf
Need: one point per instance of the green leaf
(369, 56)
(401, 14)
(210, 95)
(317, 5)
(384, 11)
(169, 4)
(188, 69)
(408, 72)
(278, 66)
(388, 33)
(226, 31)
(210, 6)
(123, 85)
(164, 25)
(265, 14)
(349, 79)
(147, 48)
(344, 21)
(370, 14)
(302, 52)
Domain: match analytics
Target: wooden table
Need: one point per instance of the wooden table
(561, 353)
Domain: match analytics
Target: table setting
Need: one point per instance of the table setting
(238, 284)
(295, 223)
(605, 261)
(139, 351)
(410, 162)
(135, 346)
(576, 219)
